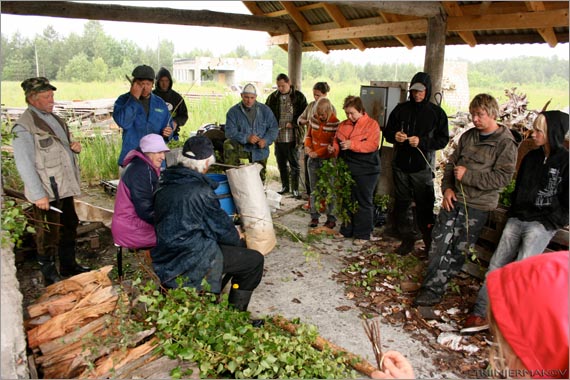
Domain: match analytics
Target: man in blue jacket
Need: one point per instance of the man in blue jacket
(250, 129)
(140, 112)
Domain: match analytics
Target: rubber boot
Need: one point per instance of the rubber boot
(240, 298)
(67, 264)
(295, 187)
(49, 272)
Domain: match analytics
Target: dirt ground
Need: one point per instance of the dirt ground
(332, 284)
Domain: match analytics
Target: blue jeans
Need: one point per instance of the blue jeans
(520, 240)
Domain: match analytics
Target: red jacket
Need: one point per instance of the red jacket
(529, 301)
(320, 135)
(364, 135)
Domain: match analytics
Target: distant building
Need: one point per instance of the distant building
(455, 85)
(228, 71)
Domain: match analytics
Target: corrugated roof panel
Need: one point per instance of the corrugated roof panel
(317, 16)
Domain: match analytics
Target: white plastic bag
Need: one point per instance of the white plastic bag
(273, 199)
(249, 197)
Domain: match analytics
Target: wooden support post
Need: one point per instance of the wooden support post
(435, 53)
(295, 58)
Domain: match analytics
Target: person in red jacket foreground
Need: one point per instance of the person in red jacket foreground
(528, 316)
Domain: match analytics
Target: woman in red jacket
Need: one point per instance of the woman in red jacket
(356, 142)
(321, 130)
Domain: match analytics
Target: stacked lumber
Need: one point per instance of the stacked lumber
(73, 332)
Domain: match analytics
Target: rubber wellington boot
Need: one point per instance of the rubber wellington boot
(240, 298)
(49, 272)
(68, 266)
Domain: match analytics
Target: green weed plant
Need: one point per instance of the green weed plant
(334, 186)
(203, 329)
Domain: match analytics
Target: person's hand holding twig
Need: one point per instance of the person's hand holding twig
(394, 366)
(372, 330)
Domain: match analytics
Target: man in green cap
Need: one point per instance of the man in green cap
(46, 159)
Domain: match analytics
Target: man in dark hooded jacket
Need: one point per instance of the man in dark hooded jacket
(174, 101)
(196, 240)
(417, 128)
(539, 205)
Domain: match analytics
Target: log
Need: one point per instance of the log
(88, 356)
(320, 343)
(161, 368)
(54, 306)
(55, 346)
(118, 359)
(64, 323)
(78, 283)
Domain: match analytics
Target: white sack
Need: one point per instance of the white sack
(249, 197)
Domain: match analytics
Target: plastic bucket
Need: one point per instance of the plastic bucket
(224, 194)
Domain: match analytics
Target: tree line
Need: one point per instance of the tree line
(97, 56)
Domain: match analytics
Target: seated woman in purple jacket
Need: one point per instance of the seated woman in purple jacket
(133, 220)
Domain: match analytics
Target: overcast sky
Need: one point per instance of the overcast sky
(222, 40)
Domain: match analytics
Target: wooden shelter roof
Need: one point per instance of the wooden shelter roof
(341, 25)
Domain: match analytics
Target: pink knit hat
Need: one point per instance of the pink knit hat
(153, 143)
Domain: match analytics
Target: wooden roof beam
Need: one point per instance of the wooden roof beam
(412, 8)
(521, 20)
(546, 33)
(536, 20)
(453, 9)
(395, 28)
(341, 21)
(115, 12)
(403, 38)
(302, 23)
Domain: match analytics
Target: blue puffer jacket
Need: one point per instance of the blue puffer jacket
(129, 114)
(190, 225)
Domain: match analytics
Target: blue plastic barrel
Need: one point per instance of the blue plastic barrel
(224, 194)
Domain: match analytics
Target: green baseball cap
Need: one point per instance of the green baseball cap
(38, 84)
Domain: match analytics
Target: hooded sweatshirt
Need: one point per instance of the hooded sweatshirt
(541, 190)
(529, 301)
(425, 120)
(174, 101)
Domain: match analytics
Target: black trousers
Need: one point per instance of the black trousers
(58, 230)
(362, 221)
(244, 265)
(416, 187)
(287, 153)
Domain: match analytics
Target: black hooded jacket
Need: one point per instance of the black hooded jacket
(173, 99)
(425, 120)
(541, 190)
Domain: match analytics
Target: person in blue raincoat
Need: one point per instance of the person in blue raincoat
(196, 240)
(139, 112)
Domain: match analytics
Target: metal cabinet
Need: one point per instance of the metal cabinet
(380, 98)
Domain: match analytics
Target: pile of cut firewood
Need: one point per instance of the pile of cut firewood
(75, 331)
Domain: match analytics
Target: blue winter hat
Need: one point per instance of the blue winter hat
(198, 148)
